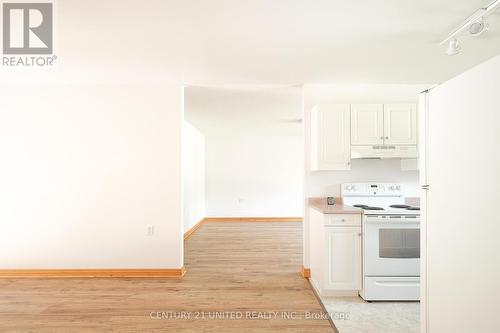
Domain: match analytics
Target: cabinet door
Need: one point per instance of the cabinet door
(344, 258)
(400, 124)
(330, 137)
(367, 124)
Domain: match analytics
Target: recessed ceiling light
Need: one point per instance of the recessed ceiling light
(453, 47)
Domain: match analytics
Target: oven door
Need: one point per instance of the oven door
(391, 245)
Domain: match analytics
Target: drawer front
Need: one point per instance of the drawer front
(391, 288)
(343, 219)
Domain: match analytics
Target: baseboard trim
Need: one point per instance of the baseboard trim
(195, 227)
(253, 219)
(305, 272)
(94, 273)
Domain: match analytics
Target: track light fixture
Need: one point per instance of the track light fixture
(475, 24)
(453, 47)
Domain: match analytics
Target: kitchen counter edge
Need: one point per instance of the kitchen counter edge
(321, 206)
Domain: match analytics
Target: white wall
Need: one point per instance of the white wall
(463, 224)
(327, 183)
(85, 169)
(254, 176)
(193, 175)
(254, 149)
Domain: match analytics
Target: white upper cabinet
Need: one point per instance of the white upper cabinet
(367, 124)
(330, 137)
(400, 124)
(389, 124)
(373, 130)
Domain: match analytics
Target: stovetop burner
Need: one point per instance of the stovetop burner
(407, 207)
(400, 206)
(366, 207)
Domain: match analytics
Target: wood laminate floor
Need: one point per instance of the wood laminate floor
(234, 269)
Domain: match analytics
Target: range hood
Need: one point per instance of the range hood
(384, 151)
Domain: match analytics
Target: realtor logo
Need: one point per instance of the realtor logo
(27, 28)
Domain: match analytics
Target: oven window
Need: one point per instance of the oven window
(399, 243)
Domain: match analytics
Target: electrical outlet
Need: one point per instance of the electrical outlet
(151, 230)
(240, 200)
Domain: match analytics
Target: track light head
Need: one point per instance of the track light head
(478, 27)
(453, 47)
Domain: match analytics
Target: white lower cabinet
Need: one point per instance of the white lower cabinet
(335, 256)
(343, 257)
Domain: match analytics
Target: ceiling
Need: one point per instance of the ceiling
(259, 42)
(241, 111)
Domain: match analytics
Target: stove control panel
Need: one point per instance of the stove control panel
(371, 190)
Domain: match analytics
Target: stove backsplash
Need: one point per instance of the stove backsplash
(327, 183)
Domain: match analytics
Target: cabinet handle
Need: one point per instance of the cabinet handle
(381, 138)
(387, 138)
(359, 234)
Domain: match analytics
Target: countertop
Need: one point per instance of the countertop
(320, 205)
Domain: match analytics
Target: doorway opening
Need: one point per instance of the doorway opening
(242, 155)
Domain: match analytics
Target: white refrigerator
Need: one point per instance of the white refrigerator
(460, 180)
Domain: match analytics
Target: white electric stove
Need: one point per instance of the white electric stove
(391, 241)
